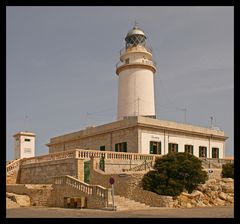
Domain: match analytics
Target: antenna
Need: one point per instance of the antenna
(136, 24)
(212, 122)
(185, 114)
(26, 126)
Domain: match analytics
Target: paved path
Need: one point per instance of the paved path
(37, 212)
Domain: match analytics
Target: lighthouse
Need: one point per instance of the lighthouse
(136, 71)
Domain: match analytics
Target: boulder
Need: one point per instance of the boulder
(228, 188)
(196, 194)
(223, 196)
(11, 204)
(230, 199)
(189, 205)
(202, 187)
(22, 200)
(219, 201)
(211, 181)
(201, 204)
(227, 180)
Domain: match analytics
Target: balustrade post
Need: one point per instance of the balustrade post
(94, 191)
(76, 154)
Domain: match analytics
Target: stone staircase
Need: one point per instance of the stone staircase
(12, 169)
(122, 203)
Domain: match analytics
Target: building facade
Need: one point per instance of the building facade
(146, 136)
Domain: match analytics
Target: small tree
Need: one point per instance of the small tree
(174, 173)
(228, 170)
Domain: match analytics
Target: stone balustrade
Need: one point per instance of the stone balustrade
(13, 166)
(87, 154)
(89, 190)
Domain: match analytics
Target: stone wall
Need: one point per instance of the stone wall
(38, 193)
(60, 191)
(109, 139)
(12, 179)
(216, 173)
(129, 185)
(43, 172)
(118, 165)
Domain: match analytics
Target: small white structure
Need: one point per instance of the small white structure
(136, 77)
(24, 145)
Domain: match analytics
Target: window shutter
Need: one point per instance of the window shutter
(159, 148)
(116, 147)
(177, 147)
(206, 152)
(151, 147)
(124, 146)
(199, 153)
(169, 147)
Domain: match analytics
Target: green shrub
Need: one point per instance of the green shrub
(228, 170)
(174, 173)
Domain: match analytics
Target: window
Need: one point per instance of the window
(203, 151)
(215, 153)
(155, 147)
(121, 147)
(27, 151)
(27, 140)
(102, 148)
(172, 147)
(188, 149)
(127, 60)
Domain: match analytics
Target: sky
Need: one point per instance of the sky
(61, 67)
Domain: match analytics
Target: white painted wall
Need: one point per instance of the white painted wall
(146, 137)
(24, 149)
(136, 83)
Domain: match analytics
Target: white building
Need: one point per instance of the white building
(137, 129)
(24, 145)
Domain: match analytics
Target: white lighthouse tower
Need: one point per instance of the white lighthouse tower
(136, 77)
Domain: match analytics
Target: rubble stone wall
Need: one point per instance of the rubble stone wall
(38, 193)
(215, 192)
(43, 173)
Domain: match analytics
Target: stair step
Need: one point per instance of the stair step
(123, 203)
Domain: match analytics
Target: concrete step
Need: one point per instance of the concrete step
(123, 203)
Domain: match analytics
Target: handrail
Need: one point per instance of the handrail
(146, 48)
(141, 167)
(87, 154)
(90, 190)
(13, 166)
(145, 62)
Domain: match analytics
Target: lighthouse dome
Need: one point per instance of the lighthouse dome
(135, 37)
(135, 30)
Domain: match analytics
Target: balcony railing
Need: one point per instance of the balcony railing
(146, 48)
(146, 62)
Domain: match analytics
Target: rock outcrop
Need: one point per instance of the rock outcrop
(20, 200)
(215, 192)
